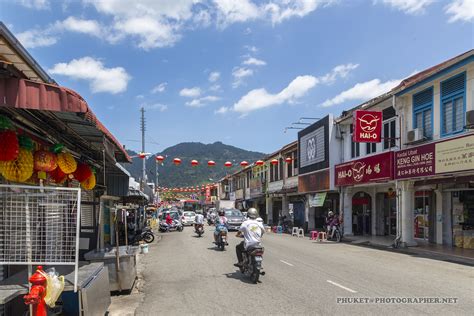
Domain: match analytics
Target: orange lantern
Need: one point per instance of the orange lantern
(244, 163)
(177, 161)
(259, 163)
(89, 183)
(288, 160)
(228, 164)
(66, 162)
(45, 161)
(274, 161)
(211, 163)
(194, 163)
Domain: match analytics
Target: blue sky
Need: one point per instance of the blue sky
(233, 71)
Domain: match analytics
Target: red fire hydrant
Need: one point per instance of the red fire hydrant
(37, 293)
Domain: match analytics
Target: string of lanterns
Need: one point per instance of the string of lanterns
(212, 163)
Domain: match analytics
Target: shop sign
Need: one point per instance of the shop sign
(415, 162)
(317, 200)
(316, 181)
(373, 168)
(367, 126)
(255, 187)
(239, 194)
(313, 146)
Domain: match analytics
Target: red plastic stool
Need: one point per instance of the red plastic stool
(314, 234)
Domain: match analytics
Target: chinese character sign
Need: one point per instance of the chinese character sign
(367, 127)
(415, 162)
(373, 168)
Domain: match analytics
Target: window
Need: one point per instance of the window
(389, 134)
(272, 176)
(371, 148)
(355, 147)
(295, 163)
(422, 111)
(452, 104)
(289, 169)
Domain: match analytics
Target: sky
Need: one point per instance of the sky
(236, 71)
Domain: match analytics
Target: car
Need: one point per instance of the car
(234, 217)
(188, 218)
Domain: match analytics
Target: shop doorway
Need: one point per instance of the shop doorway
(361, 213)
(298, 215)
(424, 216)
(276, 210)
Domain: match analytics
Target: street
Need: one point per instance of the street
(186, 275)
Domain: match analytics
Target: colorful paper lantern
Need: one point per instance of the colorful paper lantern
(194, 163)
(83, 172)
(288, 160)
(211, 163)
(274, 161)
(58, 176)
(66, 162)
(160, 158)
(244, 163)
(228, 164)
(142, 155)
(9, 145)
(177, 161)
(89, 183)
(45, 161)
(260, 163)
(20, 169)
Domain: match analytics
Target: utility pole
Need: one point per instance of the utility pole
(143, 148)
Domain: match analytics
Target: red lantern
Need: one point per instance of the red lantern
(45, 161)
(142, 155)
(244, 163)
(58, 176)
(228, 164)
(83, 172)
(9, 146)
(177, 161)
(194, 163)
(288, 160)
(211, 163)
(259, 163)
(274, 161)
(160, 158)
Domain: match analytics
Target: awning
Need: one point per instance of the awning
(65, 103)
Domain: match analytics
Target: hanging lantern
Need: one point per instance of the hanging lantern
(45, 161)
(177, 161)
(142, 155)
(160, 158)
(83, 172)
(66, 162)
(89, 183)
(288, 160)
(228, 164)
(211, 163)
(259, 163)
(274, 161)
(9, 145)
(58, 176)
(20, 169)
(244, 163)
(194, 163)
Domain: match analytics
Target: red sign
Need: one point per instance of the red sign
(415, 162)
(367, 127)
(373, 168)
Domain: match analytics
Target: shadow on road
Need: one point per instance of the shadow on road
(216, 249)
(237, 275)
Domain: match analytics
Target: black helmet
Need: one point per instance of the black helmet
(221, 212)
(252, 213)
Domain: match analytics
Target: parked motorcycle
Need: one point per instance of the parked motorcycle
(145, 235)
(199, 229)
(222, 240)
(337, 234)
(177, 225)
(252, 264)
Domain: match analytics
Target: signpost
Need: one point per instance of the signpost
(367, 127)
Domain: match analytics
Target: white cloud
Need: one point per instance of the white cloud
(231, 11)
(251, 61)
(214, 76)
(341, 71)
(260, 98)
(140, 96)
(215, 87)
(251, 49)
(284, 10)
(408, 6)
(159, 88)
(197, 103)
(460, 10)
(239, 74)
(156, 106)
(35, 4)
(74, 24)
(222, 110)
(101, 79)
(362, 91)
(36, 38)
(190, 92)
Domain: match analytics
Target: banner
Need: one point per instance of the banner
(373, 168)
(367, 126)
(317, 200)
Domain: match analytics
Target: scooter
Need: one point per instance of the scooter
(199, 229)
(177, 225)
(221, 240)
(146, 235)
(252, 264)
(337, 234)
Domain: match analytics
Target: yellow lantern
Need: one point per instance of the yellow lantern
(66, 162)
(89, 183)
(20, 169)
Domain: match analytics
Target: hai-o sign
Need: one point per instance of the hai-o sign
(367, 127)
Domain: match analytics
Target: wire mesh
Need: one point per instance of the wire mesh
(38, 225)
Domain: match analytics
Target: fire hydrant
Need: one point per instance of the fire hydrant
(37, 293)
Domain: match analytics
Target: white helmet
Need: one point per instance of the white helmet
(259, 219)
(330, 213)
(252, 213)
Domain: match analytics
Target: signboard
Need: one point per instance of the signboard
(255, 187)
(373, 168)
(367, 126)
(317, 200)
(316, 181)
(451, 155)
(313, 147)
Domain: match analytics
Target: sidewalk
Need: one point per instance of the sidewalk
(423, 249)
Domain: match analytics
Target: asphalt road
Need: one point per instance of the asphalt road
(186, 275)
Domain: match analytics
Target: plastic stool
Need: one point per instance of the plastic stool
(274, 229)
(301, 232)
(322, 237)
(294, 232)
(314, 234)
(279, 230)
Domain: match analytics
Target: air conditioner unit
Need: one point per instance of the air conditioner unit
(470, 119)
(226, 188)
(415, 135)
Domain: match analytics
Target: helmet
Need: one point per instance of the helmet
(221, 212)
(259, 219)
(252, 213)
(167, 212)
(330, 213)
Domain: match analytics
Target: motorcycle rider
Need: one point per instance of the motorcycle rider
(169, 219)
(252, 230)
(332, 222)
(198, 220)
(221, 224)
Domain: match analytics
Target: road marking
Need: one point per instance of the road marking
(287, 263)
(341, 286)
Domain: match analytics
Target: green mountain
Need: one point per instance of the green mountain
(186, 175)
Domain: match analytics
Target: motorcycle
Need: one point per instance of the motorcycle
(177, 225)
(199, 229)
(337, 234)
(145, 235)
(222, 240)
(252, 264)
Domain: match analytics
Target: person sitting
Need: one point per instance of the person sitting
(252, 231)
(332, 222)
(169, 219)
(198, 219)
(221, 225)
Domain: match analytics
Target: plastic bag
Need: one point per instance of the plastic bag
(54, 286)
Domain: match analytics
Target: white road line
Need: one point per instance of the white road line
(341, 286)
(287, 263)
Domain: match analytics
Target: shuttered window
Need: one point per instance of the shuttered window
(452, 104)
(423, 111)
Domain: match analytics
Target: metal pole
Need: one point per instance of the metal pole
(143, 147)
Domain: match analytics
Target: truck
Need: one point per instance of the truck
(225, 204)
